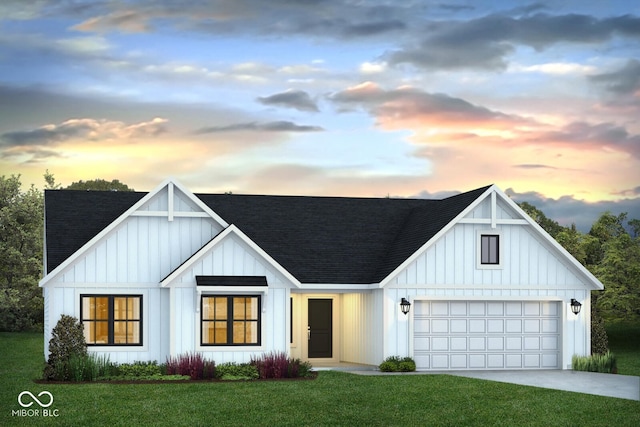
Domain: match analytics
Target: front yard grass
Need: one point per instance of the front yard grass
(334, 398)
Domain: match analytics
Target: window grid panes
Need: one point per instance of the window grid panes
(230, 320)
(112, 319)
(490, 249)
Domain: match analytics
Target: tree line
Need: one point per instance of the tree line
(610, 250)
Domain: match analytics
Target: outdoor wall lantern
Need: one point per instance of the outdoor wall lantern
(405, 305)
(575, 306)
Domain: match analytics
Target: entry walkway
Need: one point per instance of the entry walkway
(611, 385)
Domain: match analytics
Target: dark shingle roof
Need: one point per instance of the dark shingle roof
(317, 239)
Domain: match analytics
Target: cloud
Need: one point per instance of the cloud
(486, 42)
(625, 80)
(567, 209)
(127, 21)
(533, 166)
(297, 99)
(408, 106)
(87, 129)
(601, 135)
(276, 126)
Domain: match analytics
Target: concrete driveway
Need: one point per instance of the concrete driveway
(611, 385)
(620, 386)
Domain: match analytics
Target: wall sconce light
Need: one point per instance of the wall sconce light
(575, 306)
(405, 305)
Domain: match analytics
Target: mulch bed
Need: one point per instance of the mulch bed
(313, 376)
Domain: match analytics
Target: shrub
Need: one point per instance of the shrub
(604, 363)
(235, 371)
(599, 338)
(388, 367)
(191, 364)
(397, 364)
(407, 365)
(139, 369)
(89, 367)
(67, 341)
(279, 365)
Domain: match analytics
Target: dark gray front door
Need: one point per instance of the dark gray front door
(320, 328)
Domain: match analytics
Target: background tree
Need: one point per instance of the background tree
(550, 226)
(617, 264)
(21, 225)
(99, 185)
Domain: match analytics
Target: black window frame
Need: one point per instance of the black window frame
(111, 319)
(489, 238)
(230, 320)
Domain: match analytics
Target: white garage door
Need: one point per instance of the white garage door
(487, 335)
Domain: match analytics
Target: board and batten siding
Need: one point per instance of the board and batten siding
(531, 269)
(187, 327)
(155, 326)
(361, 329)
(229, 257)
(141, 250)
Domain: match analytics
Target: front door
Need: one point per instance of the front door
(320, 328)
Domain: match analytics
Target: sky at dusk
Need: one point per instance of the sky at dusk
(329, 97)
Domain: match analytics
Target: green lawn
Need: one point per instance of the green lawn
(624, 342)
(334, 398)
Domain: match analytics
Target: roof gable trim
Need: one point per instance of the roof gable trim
(435, 238)
(132, 211)
(232, 229)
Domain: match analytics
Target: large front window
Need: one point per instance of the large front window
(230, 320)
(112, 319)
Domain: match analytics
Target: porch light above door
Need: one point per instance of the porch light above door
(575, 306)
(405, 306)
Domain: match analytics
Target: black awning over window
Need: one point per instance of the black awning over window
(231, 280)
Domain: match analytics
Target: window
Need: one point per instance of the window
(230, 320)
(112, 319)
(490, 249)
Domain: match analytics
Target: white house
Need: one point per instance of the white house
(321, 278)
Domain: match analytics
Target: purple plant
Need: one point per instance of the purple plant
(275, 365)
(192, 364)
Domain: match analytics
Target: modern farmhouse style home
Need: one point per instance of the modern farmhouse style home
(465, 282)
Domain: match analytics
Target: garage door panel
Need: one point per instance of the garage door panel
(478, 326)
(495, 343)
(550, 361)
(532, 326)
(458, 344)
(495, 361)
(459, 361)
(531, 361)
(440, 344)
(550, 326)
(514, 343)
(514, 326)
(495, 326)
(551, 342)
(513, 361)
(477, 361)
(458, 326)
(487, 335)
(422, 343)
(458, 309)
(440, 326)
(513, 309)
(477, 343)
(532, 343)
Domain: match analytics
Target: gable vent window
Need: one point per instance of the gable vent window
(490, 249)
(489, 253)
